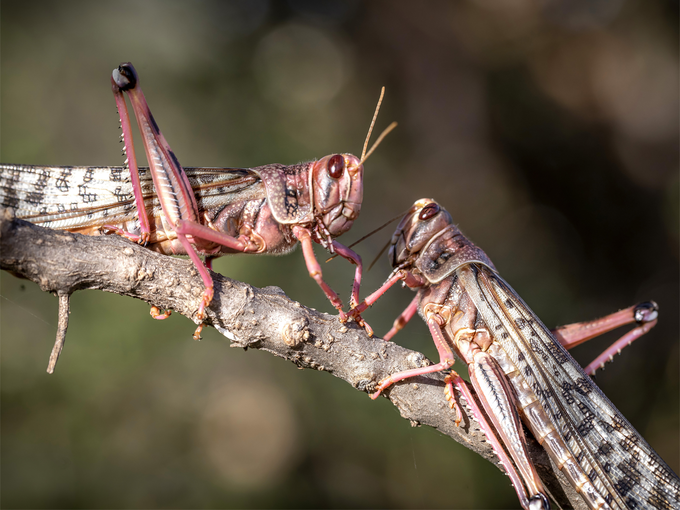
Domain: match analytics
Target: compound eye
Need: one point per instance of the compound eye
(428, 211)
(336, 166)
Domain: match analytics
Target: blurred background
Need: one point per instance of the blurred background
(548, 129)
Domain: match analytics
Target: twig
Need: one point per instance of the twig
(62, 326)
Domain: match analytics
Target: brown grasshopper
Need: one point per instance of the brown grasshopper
(521, 371)
(197, 211)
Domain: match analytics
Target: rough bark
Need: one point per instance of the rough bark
(62, 263)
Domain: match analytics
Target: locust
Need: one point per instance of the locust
(199, 212)
(521, 372)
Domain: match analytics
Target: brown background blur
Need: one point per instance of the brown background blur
(549, 130)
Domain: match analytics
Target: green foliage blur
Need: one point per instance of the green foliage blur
(549, 130)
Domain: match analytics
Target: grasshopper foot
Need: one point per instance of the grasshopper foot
(142, 238)
(450, 398)
(156, 313)
(206, 299)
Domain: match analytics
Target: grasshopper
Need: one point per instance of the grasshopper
(197, 211)
(521, 371)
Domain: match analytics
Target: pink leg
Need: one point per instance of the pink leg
(131, 161)
(408, 278)
(453, 379)
(348, 254)
(368, 302)
(207, 281)
(198, 231)
(140, 239)
(644, 314)
(403, 319)
(616, 347)
(305, 238)
(498, 400)
(355, 259)
(172, 185)
(445, 359)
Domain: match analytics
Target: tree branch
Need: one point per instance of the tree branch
(62, 263)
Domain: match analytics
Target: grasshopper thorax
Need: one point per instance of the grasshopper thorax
(337, 184)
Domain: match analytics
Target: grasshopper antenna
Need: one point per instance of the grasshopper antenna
(375, 231)
(379, 254)
(364, 154)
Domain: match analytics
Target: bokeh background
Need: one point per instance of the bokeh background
(549, 129)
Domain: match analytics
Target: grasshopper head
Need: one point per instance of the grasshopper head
(338, 188)
(419, 225)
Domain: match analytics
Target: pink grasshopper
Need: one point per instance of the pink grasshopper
(519, 370)
(200, 211)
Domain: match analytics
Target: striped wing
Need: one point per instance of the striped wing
(76, 197)
(619, 462)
